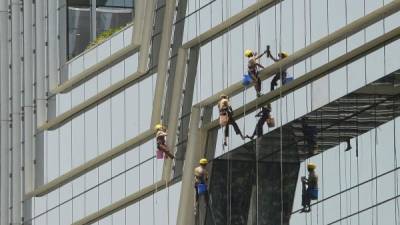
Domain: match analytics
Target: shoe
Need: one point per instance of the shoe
(243, 137)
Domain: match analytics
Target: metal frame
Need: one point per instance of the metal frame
(91, 164)
(28, 98)
(110, 154)
(313, 48)
(192, 155)
(101, 96)
(172, 126)
(16, 112)
(185, 215)
(115, 57)
(115, 88)
(4, 115)
(315, 74)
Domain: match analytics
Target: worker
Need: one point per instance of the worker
(264, 115)
(310, 136)
(200, 180)
(310, 188)
(281, 74)
(161, 134)
(252, 67)
(226, 117)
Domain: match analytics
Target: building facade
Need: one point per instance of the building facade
(84, 82)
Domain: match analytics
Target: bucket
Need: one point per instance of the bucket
(287, 80)
(313, 193)
(159, 154)
(202, 188)
(246, 80)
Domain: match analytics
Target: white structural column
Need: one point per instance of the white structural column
(40, 64)
(28, 98)
(140, 9)
(174, 109)
(4, 114)
(186, 202)
(163, 60)
(146, 36)
(16, 111)
(53, 43)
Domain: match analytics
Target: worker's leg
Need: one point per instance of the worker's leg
(259, 126)
(197, 193)
(226, 133)
(235, 127)
(283, 77)
(307, 202)
(258, 85)
(164, 148)
(274, 81)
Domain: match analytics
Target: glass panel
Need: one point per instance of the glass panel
(78, 26)
(117, 42)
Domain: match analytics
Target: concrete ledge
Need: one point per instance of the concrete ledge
(103, 95)
(231, 22)
(69, 84)
(91, 164)
(313, 48)
(131, 199)
(314, 74)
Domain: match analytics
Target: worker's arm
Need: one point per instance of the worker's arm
(230, 110)
(273, 58)
(259, 65)
(260, 55)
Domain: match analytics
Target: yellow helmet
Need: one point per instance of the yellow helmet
(248, 53)
(284, 54)
(158, 127)
(311, 166)
(223, 96)
(203, 161)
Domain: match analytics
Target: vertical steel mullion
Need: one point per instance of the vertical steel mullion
(4, 114)
(16, 112)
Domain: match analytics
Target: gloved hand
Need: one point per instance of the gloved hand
(268, 51)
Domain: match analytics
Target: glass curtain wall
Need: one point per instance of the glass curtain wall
(291, 26)
(88, 19)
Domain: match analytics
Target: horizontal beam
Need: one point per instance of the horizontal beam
(230, 23)
(121, 204)
(314, 74)
(91, 71)
(92, 164)
(313, 48)
(103, 95)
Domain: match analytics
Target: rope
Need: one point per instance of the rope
(395, 165)
(340, 171)
(281, 117)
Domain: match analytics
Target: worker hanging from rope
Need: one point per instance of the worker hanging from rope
(226, 117)
(310, 188)
(162, 148)
(281, 74)
(252, 67)
(310, 136)
(200, 181)
(264, 117)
